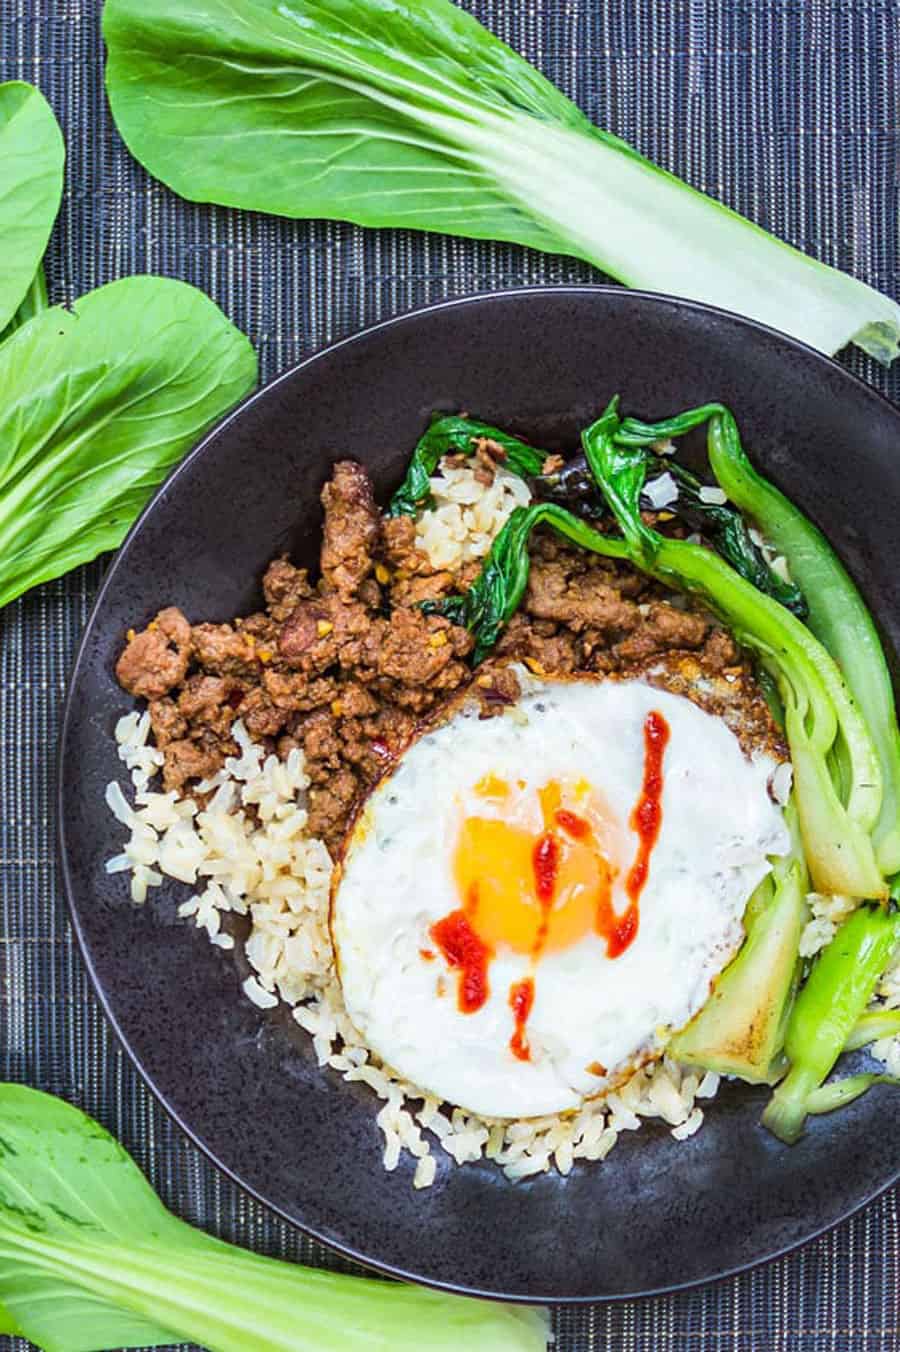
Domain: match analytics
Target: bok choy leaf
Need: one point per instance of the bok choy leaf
(91, 1259)
(394, 113)
(455, 434)
(31, 177)
(96, 406)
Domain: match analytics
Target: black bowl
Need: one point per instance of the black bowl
(244, 1084)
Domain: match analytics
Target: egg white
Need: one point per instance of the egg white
(719, 825)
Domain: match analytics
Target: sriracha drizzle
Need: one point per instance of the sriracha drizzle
(645, 821)
(521, 999)
(465, 951)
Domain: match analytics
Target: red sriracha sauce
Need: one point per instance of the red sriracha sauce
(572, 824)
(645, 821)
(521, 999)
(463, 950)
(545, 862)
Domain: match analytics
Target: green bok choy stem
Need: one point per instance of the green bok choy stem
(870, 1027)
(839, 1093)
(838, 616)
(826, 1010)
(91, 1259)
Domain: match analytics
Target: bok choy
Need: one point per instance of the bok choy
(91, 1259)
(454, 435)
(31, 177)
(99, 401)
(394, 113)
(97, 404)
(827, 1010)
(833, 607)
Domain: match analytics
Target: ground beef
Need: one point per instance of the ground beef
(284, 587)
(156, 659)
(355, 701)
(205, 700)
(401, 553)
(331, 806)
(581, 597)
(166, 721)
(307, 639)
(187, 760)
(411, 591)
(261, 717)
(348, 669)
(720, 652)
(416, 648)
(543, 649)
(352, 528)
(664, 628)
(224, 650)
(263, 629)
(294, 691)
(497, 688)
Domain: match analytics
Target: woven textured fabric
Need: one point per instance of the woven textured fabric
(787, 110)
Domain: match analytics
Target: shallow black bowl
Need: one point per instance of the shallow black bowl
(244, 1084)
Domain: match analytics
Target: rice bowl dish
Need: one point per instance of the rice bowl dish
(258, 816)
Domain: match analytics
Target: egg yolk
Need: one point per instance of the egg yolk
(534, 891)
(541, 890)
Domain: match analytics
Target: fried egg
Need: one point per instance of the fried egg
(529, 905)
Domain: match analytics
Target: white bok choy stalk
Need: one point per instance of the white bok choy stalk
(394, 113)
(91, 1259)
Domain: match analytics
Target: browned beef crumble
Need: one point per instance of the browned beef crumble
(347, 668)
(157, 658)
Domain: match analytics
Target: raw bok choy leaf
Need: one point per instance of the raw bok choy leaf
(31, 177)
(412, 114)
(96, 406)
(91, 1259)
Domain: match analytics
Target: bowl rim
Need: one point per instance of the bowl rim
(600, 291)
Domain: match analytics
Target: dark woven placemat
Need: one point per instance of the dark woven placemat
(786, 109)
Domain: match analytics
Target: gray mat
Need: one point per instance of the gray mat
(788, 110)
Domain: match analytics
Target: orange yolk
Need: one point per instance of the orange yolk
(534, 891)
